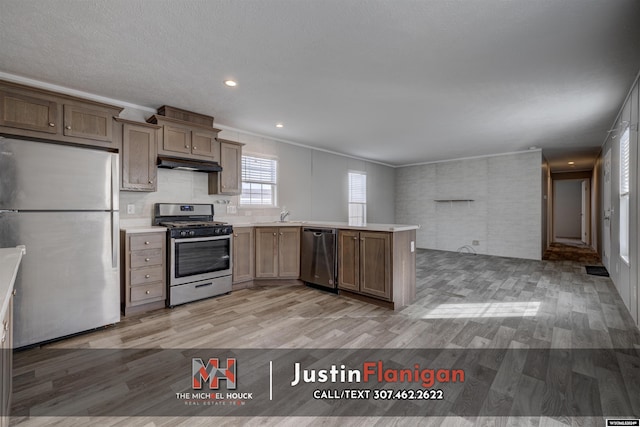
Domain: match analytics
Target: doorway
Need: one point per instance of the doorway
(572, 211)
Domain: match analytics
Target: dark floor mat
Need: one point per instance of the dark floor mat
(595, 270)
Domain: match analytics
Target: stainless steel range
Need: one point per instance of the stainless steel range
(199, 252)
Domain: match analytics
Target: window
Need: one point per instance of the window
(357, 198)
(258, 181)
(624, 195)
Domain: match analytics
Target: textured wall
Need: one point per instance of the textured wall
(505, 216)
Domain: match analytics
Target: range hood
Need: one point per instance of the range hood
(188, 164)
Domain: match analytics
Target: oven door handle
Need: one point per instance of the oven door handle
(201, 239)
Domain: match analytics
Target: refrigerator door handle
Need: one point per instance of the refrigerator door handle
(115, 183)
(115, 243)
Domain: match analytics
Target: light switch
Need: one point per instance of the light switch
(413, 246)
(131, 209)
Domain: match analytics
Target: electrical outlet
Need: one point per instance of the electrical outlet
(131, 209)
(231, 209)
(413, 246)
(475, 242)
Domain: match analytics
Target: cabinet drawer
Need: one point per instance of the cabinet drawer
(146, 258)
(146, 275)
(146, 292)
(147, 241)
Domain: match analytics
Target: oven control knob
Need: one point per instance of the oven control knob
(183, 233)
(192, 233)
(217, 231)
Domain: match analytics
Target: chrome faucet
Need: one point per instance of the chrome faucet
(284, 214)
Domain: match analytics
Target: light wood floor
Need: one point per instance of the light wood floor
(464, 301)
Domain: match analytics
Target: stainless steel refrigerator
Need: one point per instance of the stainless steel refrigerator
(62, 203)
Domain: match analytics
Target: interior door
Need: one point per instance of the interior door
(606, 227)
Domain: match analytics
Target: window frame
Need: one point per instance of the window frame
(624, 187)
(273, 184)
(359, 218)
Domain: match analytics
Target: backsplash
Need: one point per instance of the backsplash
(178, 186)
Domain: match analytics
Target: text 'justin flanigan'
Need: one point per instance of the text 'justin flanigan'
(375, 371)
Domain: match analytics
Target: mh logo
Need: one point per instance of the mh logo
(212, 372)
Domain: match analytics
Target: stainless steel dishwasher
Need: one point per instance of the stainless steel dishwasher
(318, 265)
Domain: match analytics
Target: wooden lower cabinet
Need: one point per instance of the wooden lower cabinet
(143, 271)
(277, 252)
(243, 263)
(364, 263)
(6, 363)
(378, 265)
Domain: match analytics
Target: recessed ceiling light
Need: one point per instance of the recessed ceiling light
(231, 83)
(572, 163)
(279, 125)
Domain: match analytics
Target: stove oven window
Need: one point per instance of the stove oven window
(205, 256)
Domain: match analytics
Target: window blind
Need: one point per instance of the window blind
(259, 176)
(624, 163)
(357, 187)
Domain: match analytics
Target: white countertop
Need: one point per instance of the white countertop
(9, 262)
(328, 224)
(143, 229)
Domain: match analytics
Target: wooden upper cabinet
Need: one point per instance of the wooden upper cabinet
(91, 123)
(229, 181)
(138, 157)
(187, 140)
(38, 113)
(27, 112)
(176, 140)
(205, 145)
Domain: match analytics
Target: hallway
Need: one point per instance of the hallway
(572, 250)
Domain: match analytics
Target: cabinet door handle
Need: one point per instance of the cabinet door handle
(150, 181)
(186, 146)
(52, 125)
(195, 148)
(355, 238)
(282, 234)
(146, 243)
(146, 260)
(274, 234)
(146, 276)
(15, 292)
(67, 127)
(147, 292)
(235, 235)
(5, 325)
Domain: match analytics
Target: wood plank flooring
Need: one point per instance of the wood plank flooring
(464, 301)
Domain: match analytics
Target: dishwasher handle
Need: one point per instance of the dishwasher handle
(319, 231)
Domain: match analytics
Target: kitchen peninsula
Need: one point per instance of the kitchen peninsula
(376, 262)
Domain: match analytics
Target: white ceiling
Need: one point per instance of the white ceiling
(399, 82)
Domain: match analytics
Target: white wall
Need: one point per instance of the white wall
(567, 208)
(624, 275)
(505, 216)
(312, 185)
